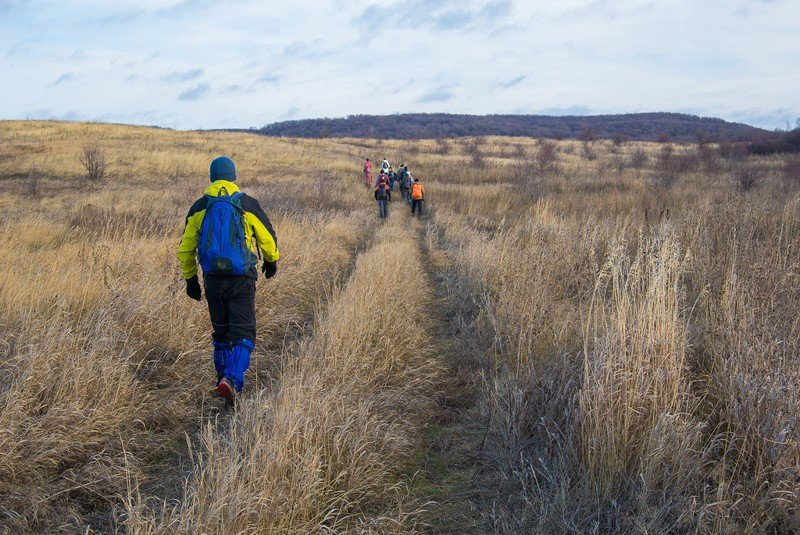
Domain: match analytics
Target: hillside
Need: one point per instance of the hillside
(574, 338)
(637, 126)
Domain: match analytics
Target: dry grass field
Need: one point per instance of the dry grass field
(576, 338)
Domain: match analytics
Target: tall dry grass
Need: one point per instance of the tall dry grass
(627, 323)
(623, 391)
(325, 451)
(105, 361)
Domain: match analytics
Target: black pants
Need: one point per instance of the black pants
(232, 307)
(416, 205)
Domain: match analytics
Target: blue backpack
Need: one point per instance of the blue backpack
(222, 248)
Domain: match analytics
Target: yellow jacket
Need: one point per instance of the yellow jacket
(259, 234)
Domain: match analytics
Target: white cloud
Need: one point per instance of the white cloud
(249, 62)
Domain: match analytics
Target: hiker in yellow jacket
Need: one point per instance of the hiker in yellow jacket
(226, 230)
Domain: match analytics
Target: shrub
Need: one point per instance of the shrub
(786, 142)
(665, 179)
(732, 152)
(618, 141)
(708, 156)
(676, 164)
(791, 171)
(587, 135)
(547, 157)
(33, 186)
(639, 158)
(702, 139)
(475, 152)
(93, 160)
(748, 176)
(412, 149)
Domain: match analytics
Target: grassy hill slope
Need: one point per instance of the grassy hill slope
(576, 337)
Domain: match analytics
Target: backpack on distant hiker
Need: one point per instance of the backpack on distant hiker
(221, 246)
(417, 191)
(382, 193)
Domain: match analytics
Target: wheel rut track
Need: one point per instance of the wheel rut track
(167, 478)
(451, 461)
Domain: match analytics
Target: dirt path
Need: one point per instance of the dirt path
(450, 464)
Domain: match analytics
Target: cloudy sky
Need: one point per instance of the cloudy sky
(241, 63)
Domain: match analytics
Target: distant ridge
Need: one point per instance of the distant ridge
(639, 126)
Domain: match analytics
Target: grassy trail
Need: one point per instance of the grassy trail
(448, 463)
(447, 468)
(279, 337)
(325, 449)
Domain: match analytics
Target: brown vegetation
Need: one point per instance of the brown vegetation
(564, 344)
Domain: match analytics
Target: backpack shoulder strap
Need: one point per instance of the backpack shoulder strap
(236, 200)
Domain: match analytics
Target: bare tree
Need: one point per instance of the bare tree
(547, 157)
(587, 137)
(618, 141)
(93, 160)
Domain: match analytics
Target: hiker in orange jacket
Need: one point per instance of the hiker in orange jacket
(417, 196)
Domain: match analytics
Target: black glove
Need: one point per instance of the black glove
(193, 288)
(269, 269)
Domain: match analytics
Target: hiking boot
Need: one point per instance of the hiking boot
(224, 389)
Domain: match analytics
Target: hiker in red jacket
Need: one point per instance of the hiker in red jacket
(367, 173)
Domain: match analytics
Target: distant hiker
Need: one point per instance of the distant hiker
(368, 173)
(225, 229)
(385, 166)
(383, 194)
(382, 176)
(408, 181)
(392, 176)
(405, 184)
(417, 197)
